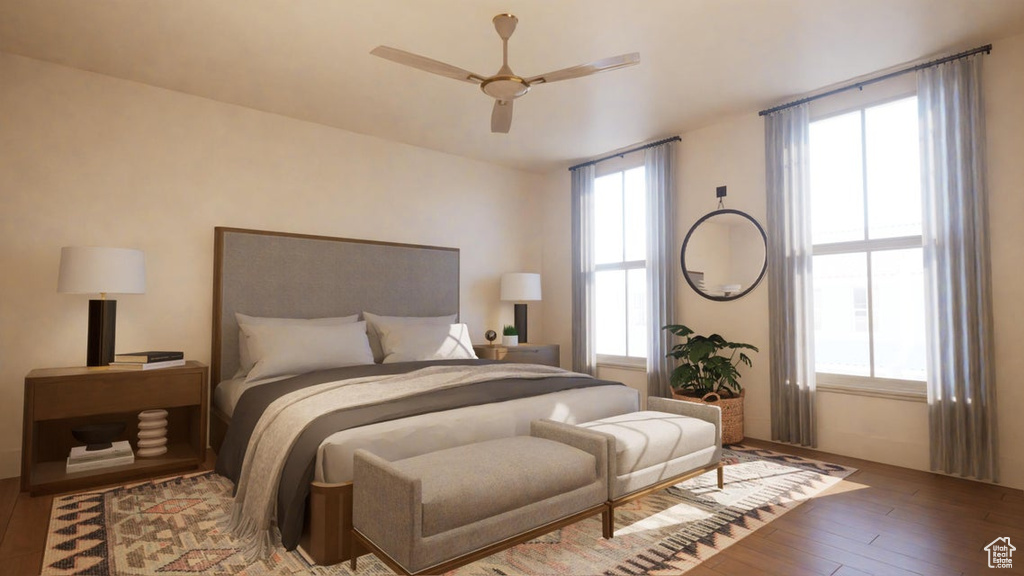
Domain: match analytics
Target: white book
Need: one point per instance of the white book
(98, 464)
(80, 454)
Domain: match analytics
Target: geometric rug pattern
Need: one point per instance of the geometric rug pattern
(171, 527)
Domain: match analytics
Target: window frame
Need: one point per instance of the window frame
(914, 390)
(621, 165)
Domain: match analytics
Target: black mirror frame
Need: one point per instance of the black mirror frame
(764, 266)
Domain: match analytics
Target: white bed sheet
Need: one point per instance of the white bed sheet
(425, 433)
(227, 393)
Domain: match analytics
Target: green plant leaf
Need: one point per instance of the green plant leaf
(702, 369)
(678, 329)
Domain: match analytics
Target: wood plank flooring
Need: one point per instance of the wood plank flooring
(882, 520)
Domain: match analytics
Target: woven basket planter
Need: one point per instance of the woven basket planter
(732, 413)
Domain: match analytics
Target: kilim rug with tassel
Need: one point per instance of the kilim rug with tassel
(170, 527)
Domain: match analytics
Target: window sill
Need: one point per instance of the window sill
(905, 390)
(622, 363)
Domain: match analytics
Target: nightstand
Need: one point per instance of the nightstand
(59, 399)
(523, 354)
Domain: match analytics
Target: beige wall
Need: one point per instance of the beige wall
(731, 152)
(90, 160)
(1004, 94)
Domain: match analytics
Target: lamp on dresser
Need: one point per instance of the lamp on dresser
(94, 270)
(520, 287)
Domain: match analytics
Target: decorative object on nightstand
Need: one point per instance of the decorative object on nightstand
(146, 365)
(98, 436)
(509, 336)
(81, 459)
(93, 270)
(546, 354)
(490, 336)
(149, 356)
(520, 287)
(152, 433)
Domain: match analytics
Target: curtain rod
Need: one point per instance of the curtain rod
(858, 85)
(624, 152)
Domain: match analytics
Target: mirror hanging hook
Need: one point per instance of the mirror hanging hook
(720, 194)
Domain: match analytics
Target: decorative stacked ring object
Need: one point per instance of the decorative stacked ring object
(152, 433)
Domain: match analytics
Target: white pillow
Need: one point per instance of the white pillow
(297, 349)
(412, 342)
(374, 324)
(245, 360)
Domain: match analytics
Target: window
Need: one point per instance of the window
(620, 258)
(869, 324)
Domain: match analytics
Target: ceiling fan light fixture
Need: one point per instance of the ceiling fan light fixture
(505, 87)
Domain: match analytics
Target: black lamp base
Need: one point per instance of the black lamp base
(102, 320)
(521, 322)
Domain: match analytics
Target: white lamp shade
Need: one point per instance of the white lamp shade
(520, 287)
(92, 270)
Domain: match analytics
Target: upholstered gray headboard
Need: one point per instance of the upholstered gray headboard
(283, 275)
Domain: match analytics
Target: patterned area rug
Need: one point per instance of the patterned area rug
(170, 527)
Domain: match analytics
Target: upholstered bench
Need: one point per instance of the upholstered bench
(432, 513)
(650, 450)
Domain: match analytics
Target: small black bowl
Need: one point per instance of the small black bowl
(98, 436)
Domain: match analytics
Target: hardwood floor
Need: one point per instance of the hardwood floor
(881, 520)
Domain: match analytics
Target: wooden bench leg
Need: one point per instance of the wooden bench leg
(721, 476)
(608, 522)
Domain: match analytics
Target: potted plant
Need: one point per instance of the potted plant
(707, 373)
(509, 336)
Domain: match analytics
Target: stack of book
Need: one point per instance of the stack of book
(81, 460)
(148, 360)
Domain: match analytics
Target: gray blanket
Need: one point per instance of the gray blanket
(299, 467)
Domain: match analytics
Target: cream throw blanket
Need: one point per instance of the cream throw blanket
(253, 515)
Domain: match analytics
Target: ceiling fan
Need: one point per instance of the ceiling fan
(504, 86)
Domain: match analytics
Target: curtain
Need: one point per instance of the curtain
(661, 266)
(961, 383)
(790, 292)
(584, 359)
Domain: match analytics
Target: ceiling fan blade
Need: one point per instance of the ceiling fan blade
(426, 64)
(501, 116)
(587, 69)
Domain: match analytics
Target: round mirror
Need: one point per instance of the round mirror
(724, 255)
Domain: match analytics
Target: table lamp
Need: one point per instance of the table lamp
(520, 287)
(92, 270)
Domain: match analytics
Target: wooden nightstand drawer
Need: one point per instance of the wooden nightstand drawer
(547, 354)
(112, 391)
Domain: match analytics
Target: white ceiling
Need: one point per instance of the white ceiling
(309, 59)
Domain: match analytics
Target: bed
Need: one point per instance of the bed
(278, 275)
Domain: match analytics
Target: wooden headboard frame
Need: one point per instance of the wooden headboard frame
(283, 275)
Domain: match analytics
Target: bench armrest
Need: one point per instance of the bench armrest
(386, 504)
(595, 443)
(706, 412)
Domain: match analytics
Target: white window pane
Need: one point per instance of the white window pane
(841, 344)
(636, 214)
(837, 192)
(897, 294)
(608, 218)
(893, 169)
(610, 303)
(637, 303)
